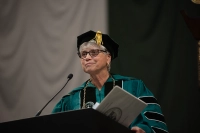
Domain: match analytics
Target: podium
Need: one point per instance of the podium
(76, 121)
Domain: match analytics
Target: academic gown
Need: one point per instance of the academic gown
(151, 119)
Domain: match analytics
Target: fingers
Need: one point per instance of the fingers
(137, 130)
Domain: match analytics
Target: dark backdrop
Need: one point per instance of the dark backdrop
(157, 47)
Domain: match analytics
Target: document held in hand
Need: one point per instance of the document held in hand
(121, 106)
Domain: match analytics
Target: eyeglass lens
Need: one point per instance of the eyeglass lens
(92, 53)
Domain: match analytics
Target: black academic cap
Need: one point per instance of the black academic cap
(105, 40)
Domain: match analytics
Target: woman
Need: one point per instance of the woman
(96, 51)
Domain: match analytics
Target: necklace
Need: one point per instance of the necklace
(84, 90)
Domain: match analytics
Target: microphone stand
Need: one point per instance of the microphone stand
(40, 111)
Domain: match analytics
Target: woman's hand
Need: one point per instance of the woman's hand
(137, 130)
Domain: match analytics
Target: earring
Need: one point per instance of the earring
(108, 66)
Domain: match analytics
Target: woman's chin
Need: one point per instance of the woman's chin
(87, 70)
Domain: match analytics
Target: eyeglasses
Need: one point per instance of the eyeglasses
(92, 53)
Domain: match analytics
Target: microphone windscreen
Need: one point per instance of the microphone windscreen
(70, 76)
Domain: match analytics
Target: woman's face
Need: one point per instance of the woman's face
(95, 61)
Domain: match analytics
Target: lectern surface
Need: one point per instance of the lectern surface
(85, 120)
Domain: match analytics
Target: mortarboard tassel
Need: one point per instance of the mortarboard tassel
(98, 38)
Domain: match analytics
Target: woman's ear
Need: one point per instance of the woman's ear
(108, 59)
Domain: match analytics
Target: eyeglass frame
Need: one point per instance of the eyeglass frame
(89, 52)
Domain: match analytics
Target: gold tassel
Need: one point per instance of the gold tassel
(98, 38)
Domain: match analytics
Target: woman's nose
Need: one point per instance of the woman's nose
(88, 55)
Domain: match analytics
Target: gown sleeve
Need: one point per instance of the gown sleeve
(151, 119)
(62, 105)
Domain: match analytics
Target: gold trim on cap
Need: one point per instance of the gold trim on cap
(98, 38)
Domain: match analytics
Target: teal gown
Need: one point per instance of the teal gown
(151, 119)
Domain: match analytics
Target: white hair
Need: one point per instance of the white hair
(92, 43)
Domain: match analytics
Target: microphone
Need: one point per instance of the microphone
(40, 111)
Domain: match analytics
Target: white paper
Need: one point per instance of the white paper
(121, 106)
(95, 105)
